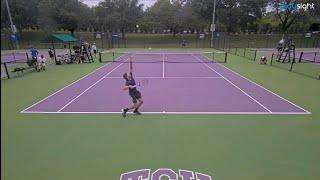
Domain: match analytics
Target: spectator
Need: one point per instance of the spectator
(94, 48)
(50, 52)
(89, 47)
(41, 64)
(263, 60)
(34, 55)
(184, 43)
(66, 55)
(77, 54)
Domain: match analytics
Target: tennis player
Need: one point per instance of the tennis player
(133, 92)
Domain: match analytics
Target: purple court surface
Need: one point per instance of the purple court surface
(173, 88)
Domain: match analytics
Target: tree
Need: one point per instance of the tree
(47, 16)
(161, 13)
(60, 14)
(117, 15)
(165, 15)
(231, 15)
(285, 15)
(291, 19)
(251, 12)
(24, 13)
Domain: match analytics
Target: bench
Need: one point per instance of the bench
(30, 64)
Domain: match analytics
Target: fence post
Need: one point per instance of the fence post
(108, 40)
(100, 60)
(255, 55)
(112, 43)
(144, 39)
(291, 65)
(212, 56)
(271, 59)
(27, 56)
(224, 42)
(197, 42)
(5, 67)
(300, 58)
(226, 57)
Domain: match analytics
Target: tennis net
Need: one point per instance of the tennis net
(164, 57)
(307, 66)
(14, 57)
(313, 57)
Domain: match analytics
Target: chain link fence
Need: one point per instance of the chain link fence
(146, 40)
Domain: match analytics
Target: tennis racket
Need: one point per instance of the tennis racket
(143, 83)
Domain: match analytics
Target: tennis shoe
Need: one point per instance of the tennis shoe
(124, 112)
(137, 112)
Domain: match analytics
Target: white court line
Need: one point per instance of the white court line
(265, 89)
(163, 66)
(168, 112)
(172, 77)
(234, 85)
(90, 87)
(65, 87)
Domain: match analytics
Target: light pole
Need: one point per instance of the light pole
(213, 25)
(13, 27)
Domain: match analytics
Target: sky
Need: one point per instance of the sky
(147, 3)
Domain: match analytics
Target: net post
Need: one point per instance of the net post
(244, 52)
(5, 67)
(255, 55)
(225, 57)
(100, 60)
(315, 55)
(236, 50)
(212, 57)
(271, 59)
(300, 58)
(112, 56)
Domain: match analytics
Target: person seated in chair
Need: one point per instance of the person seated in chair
(184, 43)
(51, 54)
(263, 60)
(41, 63)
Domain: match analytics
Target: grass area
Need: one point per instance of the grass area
(93, 146)
(308, 69)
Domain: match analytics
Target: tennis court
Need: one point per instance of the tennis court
(170, 82)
